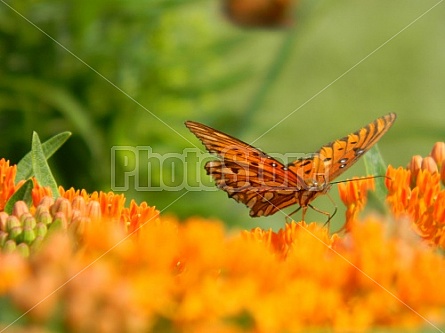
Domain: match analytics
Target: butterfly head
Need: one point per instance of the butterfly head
(315, 185)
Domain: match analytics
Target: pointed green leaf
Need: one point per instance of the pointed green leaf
(375, 166)
(40, 166)
(23, 193)
(49, 147)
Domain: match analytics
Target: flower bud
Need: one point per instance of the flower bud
(93, 210)
(78, 203)
(3, 218)
(59, 223)
(9, 246)
(438, 153)
(23, 249)
(28, 220)
(259, 14)
(78, 225)
(37, 244)
(41, 210)
(3, 238)
(45, 218)
(28, 235)
(46, 202)
(429, 164)
(41, 229)
(16, 234)
(415, 164)
(12, 222)
(20, 208)
(62, 205)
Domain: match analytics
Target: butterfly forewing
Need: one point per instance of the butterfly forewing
(241, 165)
(341, 154)
(264, 184)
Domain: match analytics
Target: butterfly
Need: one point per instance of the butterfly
(266, 185)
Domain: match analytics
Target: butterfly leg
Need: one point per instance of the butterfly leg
(325, 213)
(295, 211)
(303, 214)
(335, 209)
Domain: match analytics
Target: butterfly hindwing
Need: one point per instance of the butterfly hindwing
(264, 195)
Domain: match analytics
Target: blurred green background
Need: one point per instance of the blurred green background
(129, 73)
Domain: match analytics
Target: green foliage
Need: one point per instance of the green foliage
(25, 166)
(376, 166)
(41, 168)
(35, 164)
(116, 73)
(129, 73)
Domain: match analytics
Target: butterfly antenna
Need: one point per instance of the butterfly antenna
(363, 178)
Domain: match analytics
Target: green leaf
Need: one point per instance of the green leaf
(23, 193)
(40, 166)
(49, 147)
(375, 166)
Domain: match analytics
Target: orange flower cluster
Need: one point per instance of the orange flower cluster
(195, 277)
(416, 193)
(111, 268)
(74, 211)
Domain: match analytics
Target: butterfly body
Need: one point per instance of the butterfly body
(249, 185)
(266, 185)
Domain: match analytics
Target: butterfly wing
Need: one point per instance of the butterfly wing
(247, 174)
(336, 157)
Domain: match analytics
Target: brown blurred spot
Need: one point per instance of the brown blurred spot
(259, 13)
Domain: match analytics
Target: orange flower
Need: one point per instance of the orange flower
(353, 193)
(424, 204)
(39, 192)
(7, 182)
(433, 163)
(137, 215)
(416, 193)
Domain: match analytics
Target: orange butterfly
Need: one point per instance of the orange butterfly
(265, 185)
